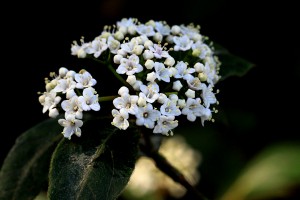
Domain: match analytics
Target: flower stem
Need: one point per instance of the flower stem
(162, 163)
(107, 98)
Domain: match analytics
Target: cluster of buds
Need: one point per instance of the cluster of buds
(73, 93)
(166, 72)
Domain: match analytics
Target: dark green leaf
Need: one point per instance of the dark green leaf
(96, 166)
(25, 169)
(232, 65)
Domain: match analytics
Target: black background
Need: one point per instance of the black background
(38, 36)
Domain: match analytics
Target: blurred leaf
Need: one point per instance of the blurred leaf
(96, 166)
(272, 174)
(25, 169)
(232, 65)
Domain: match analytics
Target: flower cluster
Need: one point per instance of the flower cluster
(73, 93)
(170, 69)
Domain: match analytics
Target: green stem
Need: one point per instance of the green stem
(107, 98)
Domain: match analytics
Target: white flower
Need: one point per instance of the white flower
(163, 29)
(84, 80)
(120, 119)
(97, 46)
(71, 126)
(50, 100)
(192, 109)
(79, 51)
(150, 92)
(162, 73)
(127, 102)
(130, 66)
(72, 107)
(169, 108)
(183, 71)
(203, 48)
(143, 29)
(165, 124)
(158, 51)
(88, 100)
(182, 43)
(147, 116)
(194, 83)
(113, 45)
(207, 95)
(205, 115)
(66, 86)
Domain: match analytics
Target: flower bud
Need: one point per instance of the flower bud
(148, 54)
(119, 35)
(190, 93)
(149, 64)
(117, 58)
(199, 67)
(151, 77)
(157, 37)
(148, 43)
(131, 79)
(196, 52)
(202, 76)
(177, 85)
(170, 61)
(175, 30)
(123, 90)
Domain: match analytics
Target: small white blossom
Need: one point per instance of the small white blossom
(120, 119)
(161, 72)
(183, 71)
(97, 46)
(84, 80)
(88, 100)
(169, 108)
(71, 126)
(158, 51)
(127, 102)
(130, 66)
(192, 109)
(146, 116)
(72, 107)
(182, 43)
(165, 124)
(150, 92)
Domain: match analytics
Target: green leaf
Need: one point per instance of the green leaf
(96, 166)
(273, 174)
(231, 65)
(25, 169)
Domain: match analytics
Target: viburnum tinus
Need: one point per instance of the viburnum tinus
(166, 72)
